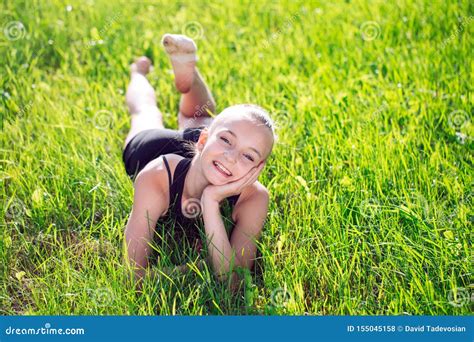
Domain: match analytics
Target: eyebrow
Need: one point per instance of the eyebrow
(229, 131)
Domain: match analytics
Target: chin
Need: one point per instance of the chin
(213, 180)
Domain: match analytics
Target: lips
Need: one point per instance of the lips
(222, 169)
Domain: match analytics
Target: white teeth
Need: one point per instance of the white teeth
(227, 172)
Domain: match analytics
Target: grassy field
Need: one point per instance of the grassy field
(371, 180)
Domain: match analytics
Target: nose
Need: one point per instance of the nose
(230, 156)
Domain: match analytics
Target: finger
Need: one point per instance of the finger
(243, 182)
(250, 177)
(253, 175)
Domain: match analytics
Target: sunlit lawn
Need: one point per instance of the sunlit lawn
(371, 179)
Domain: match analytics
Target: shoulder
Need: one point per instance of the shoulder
(255, 190)
(254, 198)
(157, 172)
(152, 180)
(173, 160)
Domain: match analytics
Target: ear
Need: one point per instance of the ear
(202, 138)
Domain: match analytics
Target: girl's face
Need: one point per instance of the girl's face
(235, 147)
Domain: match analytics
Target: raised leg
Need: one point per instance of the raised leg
(196, 98)
(141, 100)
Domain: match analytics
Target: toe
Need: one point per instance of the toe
(142, 65)
(169, 43)
(177, 43)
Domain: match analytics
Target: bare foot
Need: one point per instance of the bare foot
(182, 53)
(140, 93)
(142, 65)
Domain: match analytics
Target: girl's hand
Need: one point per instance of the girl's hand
(219, 192)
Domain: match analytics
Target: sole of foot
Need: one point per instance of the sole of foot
(182, 53)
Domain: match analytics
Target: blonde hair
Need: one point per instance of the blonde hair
(255, 112)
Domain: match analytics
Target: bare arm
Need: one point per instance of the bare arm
(240, 250)
(149, 204)
(250, 219)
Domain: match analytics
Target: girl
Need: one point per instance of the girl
(171, 180)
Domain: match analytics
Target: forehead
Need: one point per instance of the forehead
(249, 131)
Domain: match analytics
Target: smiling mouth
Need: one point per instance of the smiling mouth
(222, 169)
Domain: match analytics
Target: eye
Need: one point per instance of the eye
(249, 157)
(226, 140)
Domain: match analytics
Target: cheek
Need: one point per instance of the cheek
(241, 170)
(213, 149)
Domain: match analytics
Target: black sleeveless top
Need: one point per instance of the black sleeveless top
(192, 214)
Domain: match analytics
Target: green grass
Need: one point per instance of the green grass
(371, 179)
